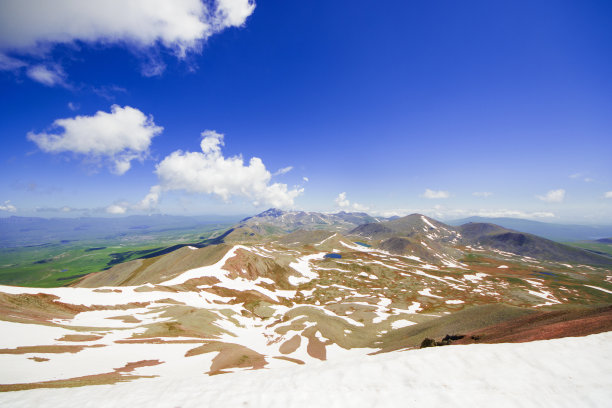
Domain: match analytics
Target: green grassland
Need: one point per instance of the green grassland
(597, 247)
(60, 263)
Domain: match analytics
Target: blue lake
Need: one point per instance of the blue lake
(337, 256)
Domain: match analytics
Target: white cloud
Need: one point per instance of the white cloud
(306, 179)
(512, 213)
(120, 136)
(581, 176)
(51, 75)
(360, 207)
(34, 27)
(608, 194)
(484, 194)
(116, 209)
(209, 172)
(553, 196)
(282, 171)
(449, 213)
(151, 199)
(8, 206)
(342, 202)
(233, 13)
(435, 194)
(73, 106)
(10, 64)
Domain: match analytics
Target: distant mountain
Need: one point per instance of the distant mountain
(496, 237)
(434, 241)
(556, 232)
(278, 222)
(410, 225)
(22, 231)
(415, 235)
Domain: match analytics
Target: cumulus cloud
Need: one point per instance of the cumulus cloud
(282, 171)
(119, 137)
(484, 194)
(7, 206)
(210, 172)
(435, 194)
(608, 194)
(150, 200)
(553, 196)
(306, 179)
(34, 27)
(116, 209)
(342, 202)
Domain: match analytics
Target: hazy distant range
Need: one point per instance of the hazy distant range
(21, 231)
(556, 232)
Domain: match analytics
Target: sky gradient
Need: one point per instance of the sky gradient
(446, 108)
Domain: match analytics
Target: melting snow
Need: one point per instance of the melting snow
(562, 372)
(598, 288)
(398, 324)
(303, 267)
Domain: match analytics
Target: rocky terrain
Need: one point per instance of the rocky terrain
(299, 294)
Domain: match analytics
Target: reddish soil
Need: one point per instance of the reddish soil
(79, 337)
(38, 359)
(156, 341)
(290, 345)
(96, 379)
(544, 326)
(52, 349)
(293, 360)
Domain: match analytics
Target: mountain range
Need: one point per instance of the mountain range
(553, 231)
(290, 288)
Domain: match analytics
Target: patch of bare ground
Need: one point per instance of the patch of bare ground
(38, 359)
(169, 301)
(40, 307)
(116, 376)
(156, 269)
(51, 349)
(125, 319)
(229, 356)
(186, 321)
(290, 345)
(250, 266)
(465, 321)
(79, 337)
(43, 308)
(240, 297)
(156, 341)
(545, 326)
(315, 347)
(293, 360)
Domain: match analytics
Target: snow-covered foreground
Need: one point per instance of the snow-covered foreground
(568, 372)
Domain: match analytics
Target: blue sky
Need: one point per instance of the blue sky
(447, 108)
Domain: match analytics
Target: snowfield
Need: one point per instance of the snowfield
(568, 372)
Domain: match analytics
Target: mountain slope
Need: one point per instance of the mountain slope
(499, 238)
(304, 297)
(555, 232)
